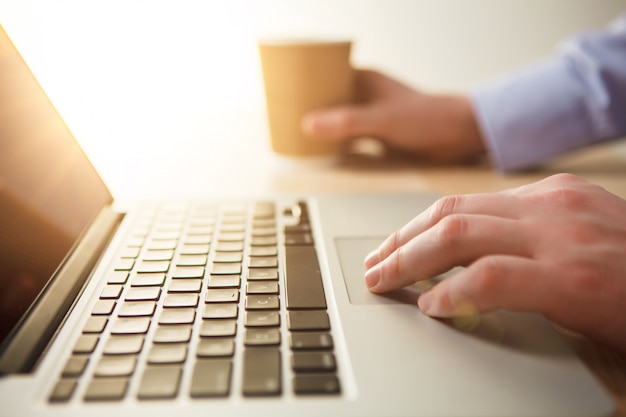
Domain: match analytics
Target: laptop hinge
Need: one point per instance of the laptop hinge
(38, 328)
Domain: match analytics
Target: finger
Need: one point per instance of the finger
(493, 204)
(341, 123)
(500, 281)
(457, 240)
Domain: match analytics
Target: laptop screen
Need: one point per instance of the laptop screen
(49, 192)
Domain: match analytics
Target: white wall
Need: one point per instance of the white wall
(122, 70)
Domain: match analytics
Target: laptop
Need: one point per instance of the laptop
(233, 307)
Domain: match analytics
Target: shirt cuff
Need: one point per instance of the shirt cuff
(532, 115)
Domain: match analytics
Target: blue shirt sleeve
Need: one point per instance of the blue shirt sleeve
(575, 99)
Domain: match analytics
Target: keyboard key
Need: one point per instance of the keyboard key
(263, 262)
(123, 344)
(218, 328)
(177, 316)
(130, 252)
(189, 249)
(167, 354)
(200, 239)
(220, 311)
(215, 347)
(75, 365)
(124, 264)
(63, 391)
(262, 302)
(143, 294)
(211, 378)
(192, 260)
(131, 325)
(304, 288)
(316, 384)
(237, 226)
(298, 239)
(100, 389)
(297, 228)
(262, 337)
(185, 285)
(95, 324)
(264, 241)
(264, 210)
(86, 343)
(262, 274)
(181, 300)
(198, 229)
(116, 366)
(264, 251)
(231, 236)
(259, 231)
(262, 318)
(229, 247)
(233, 268)
(162, 244)
(117, 277)
(137, 309)
(261, 371)
(158, 255)
(313, 361)
(222, 295)
(188, 272)
(262, 287)
(308, 320)
(160, 381)
(224, 257)
(153, 266)
(111, 292)
(167, 234)
(172, 334)
(148, 280)
(224, 281)
(103, 307)
(310, 341)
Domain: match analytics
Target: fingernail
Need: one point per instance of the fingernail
(372, 277)
(372, 259)
(424, 302)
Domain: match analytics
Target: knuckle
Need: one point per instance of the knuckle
(587, 277)
(578, 234)
(488, 277)
(568, 197)
(565, 178)
(451, 229)
(444, 207)
(568, 191)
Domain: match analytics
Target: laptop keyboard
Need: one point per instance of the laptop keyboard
(210, 299)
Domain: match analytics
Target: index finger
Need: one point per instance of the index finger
(495, 204)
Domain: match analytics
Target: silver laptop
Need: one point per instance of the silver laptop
(238, 307)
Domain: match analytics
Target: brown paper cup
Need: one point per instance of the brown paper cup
(300, 76)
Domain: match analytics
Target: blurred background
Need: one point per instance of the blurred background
(177, 81)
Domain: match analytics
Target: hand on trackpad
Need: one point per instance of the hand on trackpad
(352, 252)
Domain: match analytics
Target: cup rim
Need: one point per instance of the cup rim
(302, 41)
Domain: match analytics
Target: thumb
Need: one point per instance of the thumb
(340, 123)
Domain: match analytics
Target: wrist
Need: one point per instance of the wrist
(464, 132)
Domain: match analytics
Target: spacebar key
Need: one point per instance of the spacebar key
(304, 288)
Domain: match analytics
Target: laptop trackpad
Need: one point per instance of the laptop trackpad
(352, 252)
